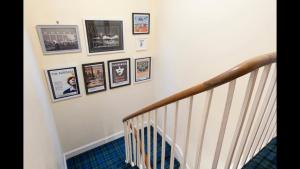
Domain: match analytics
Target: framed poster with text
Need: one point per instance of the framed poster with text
(140, 23)
(142, 69)
(119, 72)
(63, 83)
(94, 77)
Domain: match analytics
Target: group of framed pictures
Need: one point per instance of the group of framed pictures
(102, 36)
(64, 83)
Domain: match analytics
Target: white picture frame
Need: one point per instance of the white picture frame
(59, 39)
(59, 79)
(141, 44)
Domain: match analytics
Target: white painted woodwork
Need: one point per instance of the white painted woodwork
(164, 138)
(155, 140)
(174, 136)
(148, 141)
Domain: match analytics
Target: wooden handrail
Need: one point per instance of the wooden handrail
(233, 73)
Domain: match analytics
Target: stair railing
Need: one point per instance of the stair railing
(262, 133)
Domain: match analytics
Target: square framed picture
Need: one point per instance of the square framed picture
(104, 36)
(119, 72)
(59, 39)
(63, 83)
(94, 77)
(140, 23)
(141, 44)
(142, 69)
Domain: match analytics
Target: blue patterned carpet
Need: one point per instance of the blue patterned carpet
(266, 158)
(112, 155)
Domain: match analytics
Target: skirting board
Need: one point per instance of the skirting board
(92, 145)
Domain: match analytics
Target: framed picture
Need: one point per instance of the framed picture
(104, 36)
(119, 72)
(63, 83)
(94, 77)
(141, 44)
(140, 23)
(58, 39)
(142, 69)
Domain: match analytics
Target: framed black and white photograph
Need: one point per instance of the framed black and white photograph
(141, 44)
(58, 39)
(142, 69)
(94, 77)
(140, 23)
(104, 36)
(119, 72)
(63, 83)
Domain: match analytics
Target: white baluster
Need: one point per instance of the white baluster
(164, 138)
(268, 133)
(148, 142)
(224, 123)
(202, 128)
(174, 137)
(130, 142)
(155, 140)
(252, 114)
(241, 119)
(126, 142)
(258, 148)
(187, 136)
(262, 128)
(134, 142)
(271, 133)
(138, 141)
(143, 144)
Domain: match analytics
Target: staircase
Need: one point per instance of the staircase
(250, 135)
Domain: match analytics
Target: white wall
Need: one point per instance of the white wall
(91, 117)
(198, 39)
(41, 144)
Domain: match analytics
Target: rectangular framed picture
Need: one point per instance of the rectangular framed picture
(63, 83)
(94, 77)
(119, 72)
(104, 36)
(140, 23)
(58, 39)
(142, 69)
(141, 44)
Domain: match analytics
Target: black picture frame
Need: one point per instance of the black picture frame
(134, 23)
(56, 95)
(87, 79)
(148, 67)
(111, 73)
(104, 36)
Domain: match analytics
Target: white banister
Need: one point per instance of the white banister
(202, 127)
(134, 142)
(266, 131)
(264, 123)
(187, 136)
(174, 137)
(163, 150)
(143, 143)
(224, 123)
(252, 114)
(241, 119)
(138, 141)
(260, 118)
(126, 143)
(148, 142)
(155, 140)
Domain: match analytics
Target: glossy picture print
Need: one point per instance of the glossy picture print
(119, 72)
(104, 36)
(63, 83)
(94, 77)
(140, 23)
(142, 69)
(58, 39)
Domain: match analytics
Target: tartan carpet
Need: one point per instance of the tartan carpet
(266, 158)
(112, 155)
